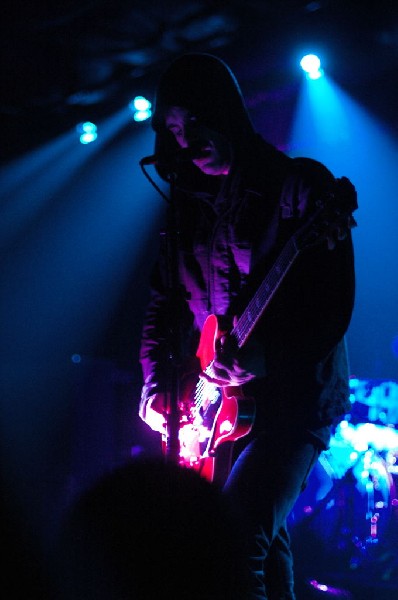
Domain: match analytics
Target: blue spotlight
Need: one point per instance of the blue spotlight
(140, 103)
(142, 115)
(87, 132)
(141, 108)
(311, 64)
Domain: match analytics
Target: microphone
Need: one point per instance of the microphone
(181, 155)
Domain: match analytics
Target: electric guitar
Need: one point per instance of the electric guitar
(211, 415)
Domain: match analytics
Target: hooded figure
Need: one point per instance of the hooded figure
(237, 205)
(221, 108)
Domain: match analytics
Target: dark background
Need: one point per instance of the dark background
(64, 60)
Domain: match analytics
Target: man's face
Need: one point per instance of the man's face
(187, 131)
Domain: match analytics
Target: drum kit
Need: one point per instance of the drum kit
(347, 517)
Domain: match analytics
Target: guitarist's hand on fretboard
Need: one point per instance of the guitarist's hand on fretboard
(233, 366)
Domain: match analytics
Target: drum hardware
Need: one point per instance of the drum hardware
(374, 401)
(344, 526)
(345, 522)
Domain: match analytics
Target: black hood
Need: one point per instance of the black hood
(205, 85)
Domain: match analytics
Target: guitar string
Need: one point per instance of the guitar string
(265, 292)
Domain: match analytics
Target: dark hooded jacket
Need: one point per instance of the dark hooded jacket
(231, 231)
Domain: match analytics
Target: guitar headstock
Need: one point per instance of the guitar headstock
(333, 218)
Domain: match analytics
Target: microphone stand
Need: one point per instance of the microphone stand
(170, 244)
(169, 241)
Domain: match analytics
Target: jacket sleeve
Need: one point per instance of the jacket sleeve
(166, 335)
(153, 349)
(313, 308)
(328, 272)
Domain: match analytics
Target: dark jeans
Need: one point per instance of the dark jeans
(263, 486)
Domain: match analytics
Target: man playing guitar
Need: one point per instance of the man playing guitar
(265, 275)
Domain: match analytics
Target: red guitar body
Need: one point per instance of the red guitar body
(223, 414)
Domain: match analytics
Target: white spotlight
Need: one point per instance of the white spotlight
(311, 64)
(141, 108)
(140, 103)
(87, 132)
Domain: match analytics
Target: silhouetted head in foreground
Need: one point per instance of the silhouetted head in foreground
(149, 530)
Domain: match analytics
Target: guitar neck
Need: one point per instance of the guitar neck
(265, 292)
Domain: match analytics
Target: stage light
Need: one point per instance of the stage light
(141, 103)
(87, 132)
(87, 138)
(141, 108)
(311, 64)
(142, 115)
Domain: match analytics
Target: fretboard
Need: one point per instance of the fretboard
(265, 292)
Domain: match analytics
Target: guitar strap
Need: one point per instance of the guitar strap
(294, 187)
(291, 190)
(287, 195)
